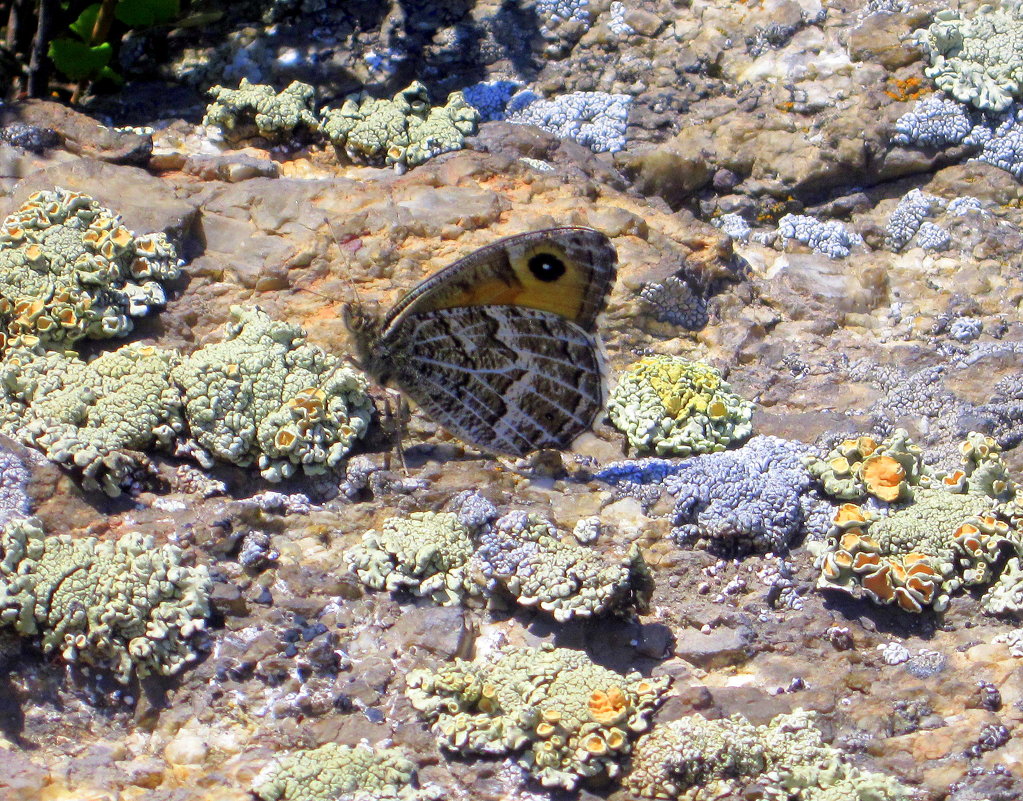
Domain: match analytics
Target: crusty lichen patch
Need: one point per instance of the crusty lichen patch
(70, 269)
(565, 717)
(676, 407)
(125, 605)
(264, 395)
(334, 771)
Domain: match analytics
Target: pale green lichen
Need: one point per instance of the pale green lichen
(69, 269)
(265, 396)
(676, 407)
(566, 718)
(402, 132)
(523, 556)
(256, 110)
(979, 59)
(333, 771)
(427, 554)
(125, 605)
(91, 417)
(943, 531)
(1005, 596)
(694, 759)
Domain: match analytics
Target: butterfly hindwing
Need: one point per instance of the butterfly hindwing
(566, 271)
(507, 379)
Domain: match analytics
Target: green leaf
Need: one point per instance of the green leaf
(143, 13)
(77, 60)
(108, 73)
(86, 21)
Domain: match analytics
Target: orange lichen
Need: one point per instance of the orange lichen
(883, 477)
(849, 513)
(879, 584)
(902, 89)
(608, 707)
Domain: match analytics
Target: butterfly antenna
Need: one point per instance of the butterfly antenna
(346, 273)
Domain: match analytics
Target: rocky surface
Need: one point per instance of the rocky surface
(756, 110)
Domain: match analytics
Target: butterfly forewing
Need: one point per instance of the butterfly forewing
(505, 378)
(565, 271)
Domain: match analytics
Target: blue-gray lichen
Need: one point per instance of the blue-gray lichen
(403, 131)
(677, 407)
(69, 269)
(597, 120)
(266, 396)
(757, 498)
(14, 476)
(565, 717)
(256, 110)
(829, 237)
(524, 556)
(333, 771)
(91, 417)
(125, 605)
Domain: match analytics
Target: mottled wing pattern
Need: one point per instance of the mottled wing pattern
(504, 273)
(507, 379)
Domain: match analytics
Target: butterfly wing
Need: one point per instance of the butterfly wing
(507, 379)
(566, 271)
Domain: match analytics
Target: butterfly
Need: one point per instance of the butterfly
(501, 347)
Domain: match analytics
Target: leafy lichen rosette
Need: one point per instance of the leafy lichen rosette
(70, 269)
(127, 605)
(942, 532)
(255, 109)
(333, 771)
(566, 717)
(403, 131)
(93, 417)
(676, 407)
(266, 396)
(426, 554)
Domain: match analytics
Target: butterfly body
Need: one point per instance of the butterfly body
(500, 348)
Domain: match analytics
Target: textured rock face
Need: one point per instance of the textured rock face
(796, 205)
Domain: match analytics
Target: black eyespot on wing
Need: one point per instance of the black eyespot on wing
(546, 267)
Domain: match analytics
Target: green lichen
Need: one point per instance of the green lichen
(91, 417)
(427, 554)
(978, 60)
(694, 759)
(333, 771)
(523, 556)
(69, 269)
(678, 408)
(265, 396)
(125, 605)
(943, 531)
(565, 717)
(256, 110)
(402, 132)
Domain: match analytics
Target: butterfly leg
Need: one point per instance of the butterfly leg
(396, 418)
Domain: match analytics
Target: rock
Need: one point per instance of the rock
(20, 778)
(720, 647)
(186, 749)
(81, 134)
(441, 630)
